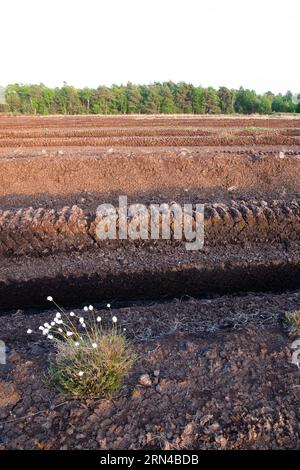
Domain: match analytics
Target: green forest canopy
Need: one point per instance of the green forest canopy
(165, 98)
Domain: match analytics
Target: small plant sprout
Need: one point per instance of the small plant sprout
(293, 320)
(88, 364)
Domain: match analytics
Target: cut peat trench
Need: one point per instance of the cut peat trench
(248, 247)
(80, 288)
(52, 180)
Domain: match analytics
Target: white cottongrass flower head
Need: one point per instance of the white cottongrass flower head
(50, 336)
(70, 333)
(95, 345)
(114, 319)
(91, 307)
(99, 319)
(72, 314)
(108, 305)
(80, 373)
(49, 298)
(81, 320)
(85, 308)
(29, 331)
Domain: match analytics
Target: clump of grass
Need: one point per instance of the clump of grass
(90, 362)
(94, 369)
(293, 320)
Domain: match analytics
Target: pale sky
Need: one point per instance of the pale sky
(253, 43)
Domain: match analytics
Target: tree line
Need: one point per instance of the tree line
(156, 98)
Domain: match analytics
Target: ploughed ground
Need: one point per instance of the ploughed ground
(210, 321)
(225, 380)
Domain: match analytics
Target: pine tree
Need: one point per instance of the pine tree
(226, 98)
(211, 102)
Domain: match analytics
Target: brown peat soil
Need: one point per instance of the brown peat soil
(210, 321)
